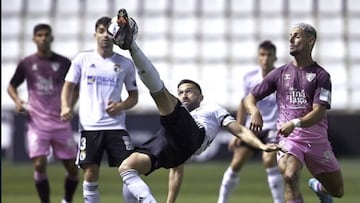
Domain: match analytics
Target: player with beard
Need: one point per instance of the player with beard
(188, 127)
(303, 92)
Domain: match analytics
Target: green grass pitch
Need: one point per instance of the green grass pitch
(201, 183)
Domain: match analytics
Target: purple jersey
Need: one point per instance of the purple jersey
(296, 91)
(44, 78)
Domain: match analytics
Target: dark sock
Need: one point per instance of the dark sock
(43, 190)
(70, 187)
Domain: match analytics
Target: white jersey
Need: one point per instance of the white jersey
(268, 106)
(101, 80)
(212, 117)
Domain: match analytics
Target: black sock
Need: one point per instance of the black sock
(43, 190)
(70, 187)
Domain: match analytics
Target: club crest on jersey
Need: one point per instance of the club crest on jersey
(286, 76)
(55, 66)
(34, 67)
(90, 79)
(310, 76)
(116, 68)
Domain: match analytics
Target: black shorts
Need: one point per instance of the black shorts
(116, 143)
(176, 141)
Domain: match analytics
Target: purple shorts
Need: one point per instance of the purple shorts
(318, 157)
(62, 142)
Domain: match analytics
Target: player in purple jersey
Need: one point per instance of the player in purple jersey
(303, 92)
(101, 75)
(187, 127)
(242, 151)
(44, 73)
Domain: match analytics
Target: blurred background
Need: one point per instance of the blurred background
(213, 42)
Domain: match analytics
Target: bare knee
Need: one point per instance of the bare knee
(125, 165)
(291, 178)
(269, 160)
(137, 161)
(71, 167)
(39, 164)
(91, 172)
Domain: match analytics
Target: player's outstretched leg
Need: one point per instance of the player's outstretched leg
(128, 196)
(137, 186)
(123, 30)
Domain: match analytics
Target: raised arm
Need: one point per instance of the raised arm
(249, 137)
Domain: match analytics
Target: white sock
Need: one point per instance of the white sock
(146, 70)
(228, 184)
(128, 197)
(276, 184)
(137, 186)
(91, 192)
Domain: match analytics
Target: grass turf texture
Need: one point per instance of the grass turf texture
(201, 183)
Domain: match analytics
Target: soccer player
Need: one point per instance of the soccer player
(44, 72)
(242, 152)
(101, 75)
(188, 128)
(303, 91)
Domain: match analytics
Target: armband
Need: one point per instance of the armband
(296, 122)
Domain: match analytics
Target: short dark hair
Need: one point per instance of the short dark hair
(309, 29)
(42, 26)
(192, 82)
(105, 21)
(267, 45)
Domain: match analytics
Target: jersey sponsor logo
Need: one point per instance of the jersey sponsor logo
(55, 66)
(296, 97)
(44, 86)
(325, 95)
(102, 80)
(310, 76)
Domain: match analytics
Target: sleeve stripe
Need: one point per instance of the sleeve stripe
(222, 120)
